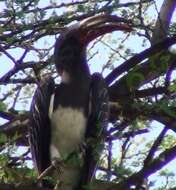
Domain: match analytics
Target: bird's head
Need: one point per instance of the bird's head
(70, 48)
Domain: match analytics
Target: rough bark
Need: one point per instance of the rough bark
(164, 18)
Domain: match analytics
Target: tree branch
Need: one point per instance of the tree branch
(136, 59)
(164, 18)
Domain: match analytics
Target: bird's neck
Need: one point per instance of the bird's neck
(74, 78)
(78, 74)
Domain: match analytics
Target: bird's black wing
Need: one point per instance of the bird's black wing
(97, 123)
(39, 129)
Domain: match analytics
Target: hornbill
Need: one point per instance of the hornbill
(68, 120)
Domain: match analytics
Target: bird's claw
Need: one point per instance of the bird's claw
(82, 148)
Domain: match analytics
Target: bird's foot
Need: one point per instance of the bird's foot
(55, 166)
(58, 185)
(45, 173)
(82, 148)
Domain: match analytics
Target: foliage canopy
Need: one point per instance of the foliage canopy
(139, 68)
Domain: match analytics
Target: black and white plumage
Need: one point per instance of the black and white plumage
(75, 112)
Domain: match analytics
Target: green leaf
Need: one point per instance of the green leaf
(166, 108)
(164, 60)
(3, 106)
(134, 78)
(3, 138)
(153, 60)
(167, 173)
(80, 8)
(172, 88)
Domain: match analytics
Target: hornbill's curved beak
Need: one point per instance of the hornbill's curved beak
(95, 26)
